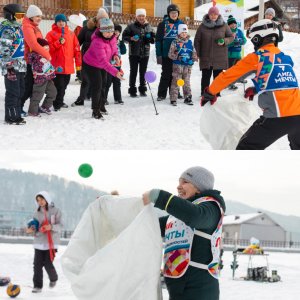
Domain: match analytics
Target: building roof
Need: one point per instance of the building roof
(239, 219)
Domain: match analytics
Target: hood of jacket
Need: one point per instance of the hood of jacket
(212, 24)
(27, 22)
(46, 196)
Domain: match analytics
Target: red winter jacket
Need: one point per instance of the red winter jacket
(63, 55)
(31, 34)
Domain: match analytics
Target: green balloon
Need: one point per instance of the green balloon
(85, 170)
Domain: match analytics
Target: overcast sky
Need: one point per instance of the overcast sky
(262, 179)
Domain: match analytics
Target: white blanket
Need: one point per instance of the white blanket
(224, 123)
(115, 251)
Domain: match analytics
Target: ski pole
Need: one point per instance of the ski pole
(152, 98)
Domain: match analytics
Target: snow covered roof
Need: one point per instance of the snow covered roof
(202, 10)
(239, 219)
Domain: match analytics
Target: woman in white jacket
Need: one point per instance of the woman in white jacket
(46, 227)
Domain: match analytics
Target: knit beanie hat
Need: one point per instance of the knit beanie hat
(60, 17)
(213, 11)
(33, 11)
(182, 28)
(140, 11)
(270, 11)
(231, 20)
(102, 13)
(118, 27)
(106, 25)
(200, 177)
(43, 42)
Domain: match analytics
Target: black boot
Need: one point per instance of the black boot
(132, 92)
(188, 100)
(142, 90)
(78, 102)
(97, 114)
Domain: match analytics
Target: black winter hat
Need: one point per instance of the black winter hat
(118, 27)
(10, 10)
(173, 7)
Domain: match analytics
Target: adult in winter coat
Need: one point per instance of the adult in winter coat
(211, 40)
(46, 227)
(98, 60)
(32, 32)
(64, 49)
(192, 233)
(276, 85)
(85, 39)
(12, 63)
(271, 15)
(139, 35)
(167, 31)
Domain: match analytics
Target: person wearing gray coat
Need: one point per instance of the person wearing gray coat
(211, 40)
(46, 227)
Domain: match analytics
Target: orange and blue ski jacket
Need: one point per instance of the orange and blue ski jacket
(275, 81)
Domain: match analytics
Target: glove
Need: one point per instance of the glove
(148, 35)
(220, 42)
(62, 40)
(184, 59)
(11, 74)
(190, 62)
(136, 37)
(250, 92)
(208, 97)
(159, 60)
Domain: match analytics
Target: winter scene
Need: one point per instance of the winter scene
(133, 117)
(100, 214)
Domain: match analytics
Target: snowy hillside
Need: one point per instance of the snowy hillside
(130, 126)
(16, 262)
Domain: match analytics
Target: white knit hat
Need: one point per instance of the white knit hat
(102, 13)
(182, 28)
(33, 11)
(140, 11)
(270, 11)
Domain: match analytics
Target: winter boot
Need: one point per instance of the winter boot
(97, 114)
(179, 96)
(174, 103)
(132, 92)
(78, 102)
(19, 121)
(52, 284)
(142, 90)
(45, 110)
(188, 100)
(160, 98)
(36, 290)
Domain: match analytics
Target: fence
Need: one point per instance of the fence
(66, 234)
(272, 244)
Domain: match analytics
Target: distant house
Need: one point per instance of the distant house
(155, 8)
(258, 225)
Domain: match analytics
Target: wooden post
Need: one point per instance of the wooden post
(261, 9)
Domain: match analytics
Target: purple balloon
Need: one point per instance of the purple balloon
(150, 76)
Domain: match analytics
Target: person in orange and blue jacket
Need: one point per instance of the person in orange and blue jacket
(276, 85)
(64, 49)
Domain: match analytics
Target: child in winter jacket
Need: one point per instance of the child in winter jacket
(43, 74)
(111, 80)
(235, 48)
(64, 49)
(276, 85)
(97, 61)
(166, 32)
(183, 55)
(46, 230)
(12, 62)
(192, 232)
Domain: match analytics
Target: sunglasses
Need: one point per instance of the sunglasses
(19, 15)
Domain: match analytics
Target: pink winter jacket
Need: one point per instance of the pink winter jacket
(101, 52)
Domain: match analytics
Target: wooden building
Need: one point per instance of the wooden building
(154, 8)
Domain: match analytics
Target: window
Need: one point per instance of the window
(113, 5)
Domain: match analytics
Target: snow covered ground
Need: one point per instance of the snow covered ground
(131, 126)
(16, 262)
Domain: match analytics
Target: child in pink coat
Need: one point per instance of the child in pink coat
(97, 61)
